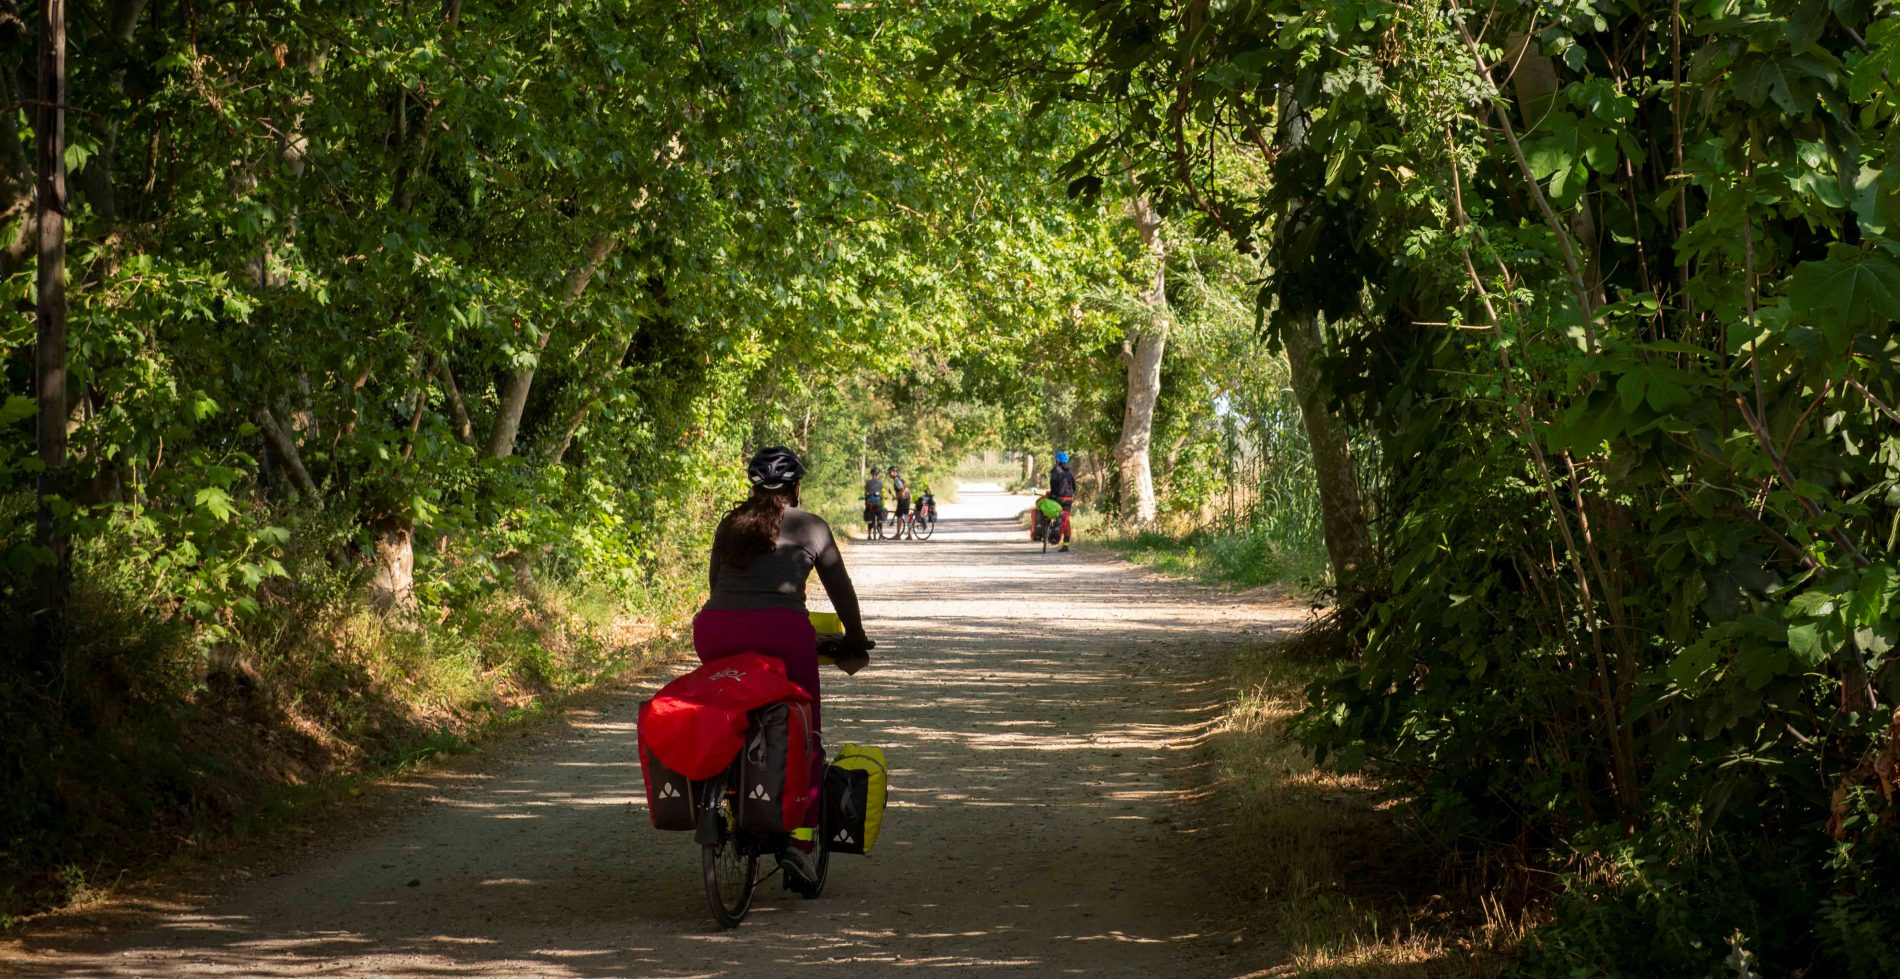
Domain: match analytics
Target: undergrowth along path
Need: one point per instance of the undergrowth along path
(1041, 713)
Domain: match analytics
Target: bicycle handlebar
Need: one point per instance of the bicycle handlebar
(849, 655)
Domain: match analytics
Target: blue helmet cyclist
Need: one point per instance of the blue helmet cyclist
(1062, 490)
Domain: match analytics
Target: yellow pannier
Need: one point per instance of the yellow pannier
(855, 787)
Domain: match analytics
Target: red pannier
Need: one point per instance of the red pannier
(694, 727)
(775, 771)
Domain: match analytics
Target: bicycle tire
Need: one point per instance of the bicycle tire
(730, 867)
(924, 528)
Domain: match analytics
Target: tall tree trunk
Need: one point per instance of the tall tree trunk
(1142, 354)
(1342, 512)
(514, 396)
(49, 128)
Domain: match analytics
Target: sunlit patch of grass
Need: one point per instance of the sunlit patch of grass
(1342, 884)
(975, 470)
(1238, 555)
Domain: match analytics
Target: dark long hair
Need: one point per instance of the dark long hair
(750, 530)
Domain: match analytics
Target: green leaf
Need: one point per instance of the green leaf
(217, 502)
(1692, 663)
(1874, 595)
(1789, 81)
(1808, 642)
(1759, 663)
(77, 154)
(202, 405)
(17, 406)
(1811, 603)
(1847, 292)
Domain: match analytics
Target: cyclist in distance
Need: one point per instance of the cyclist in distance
(1062, 487)
(763, 552)
(873, 497)
(900, 488)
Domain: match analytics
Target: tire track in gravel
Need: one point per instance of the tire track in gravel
(1040, 711)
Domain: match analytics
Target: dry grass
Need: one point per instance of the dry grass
(165, 750)
(1340, 882)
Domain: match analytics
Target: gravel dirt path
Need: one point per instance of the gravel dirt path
(1041, 714)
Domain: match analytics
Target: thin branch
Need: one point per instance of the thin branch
(1869, 395)
(1571, 267)
(1767, 443)
(464, 428)
(286, 449)
(1795, 429)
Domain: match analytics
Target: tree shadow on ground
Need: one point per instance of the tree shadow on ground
(1042, 729)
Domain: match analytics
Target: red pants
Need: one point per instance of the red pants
(782, 633)
(786, 635)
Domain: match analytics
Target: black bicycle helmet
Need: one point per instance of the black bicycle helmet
(773, 467)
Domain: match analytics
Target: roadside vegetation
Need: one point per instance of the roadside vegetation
(367, 373)
(1589, 314)
(1338, 865)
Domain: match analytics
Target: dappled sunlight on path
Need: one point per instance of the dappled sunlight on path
(1039, 711)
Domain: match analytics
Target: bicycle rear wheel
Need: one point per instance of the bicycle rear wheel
(923, 527)
(730, 867)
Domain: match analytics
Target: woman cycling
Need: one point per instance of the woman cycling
(763, 552)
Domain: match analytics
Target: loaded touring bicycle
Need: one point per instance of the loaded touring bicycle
(728, 753)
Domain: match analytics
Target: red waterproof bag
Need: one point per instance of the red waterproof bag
(696, 725)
